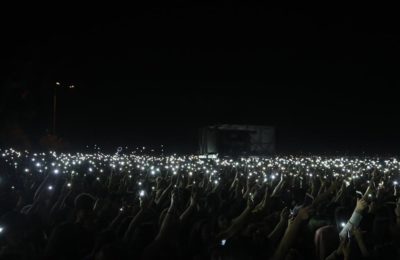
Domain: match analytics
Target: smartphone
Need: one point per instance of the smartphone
(359, 194)
(291, 215)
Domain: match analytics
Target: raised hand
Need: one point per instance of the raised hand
(250, 201)
(194, 197)
(305, 213)
(361, 205)
(174, 199)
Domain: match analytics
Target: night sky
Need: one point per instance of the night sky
(325, 76)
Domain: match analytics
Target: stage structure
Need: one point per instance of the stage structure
(237, 140)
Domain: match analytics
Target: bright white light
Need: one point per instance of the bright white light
(98, 178)
(1, 229)
(50, 187)
(142, 193)
(68, 185)
(342, 224)
(56, 171)
(26, 170)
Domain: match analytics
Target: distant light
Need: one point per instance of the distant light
(58, 83)
(56, 171)
(142, 193)
(1, 229)
(50, 187)
(68, 184)
(342, 224)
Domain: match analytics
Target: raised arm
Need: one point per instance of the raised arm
(355, 218)
(188, 212)
(358, 234)
(279, 229)
(146, 203)
(238, 222)
(291, 233)
(169, 218)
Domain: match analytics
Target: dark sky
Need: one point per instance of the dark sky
(324, 75)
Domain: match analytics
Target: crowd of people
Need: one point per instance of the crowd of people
(129, 206)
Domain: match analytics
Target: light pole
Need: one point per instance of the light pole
(57, 85)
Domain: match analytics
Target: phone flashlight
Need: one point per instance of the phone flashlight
(223, 241)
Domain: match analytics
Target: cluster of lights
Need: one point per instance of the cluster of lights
(138, 167)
